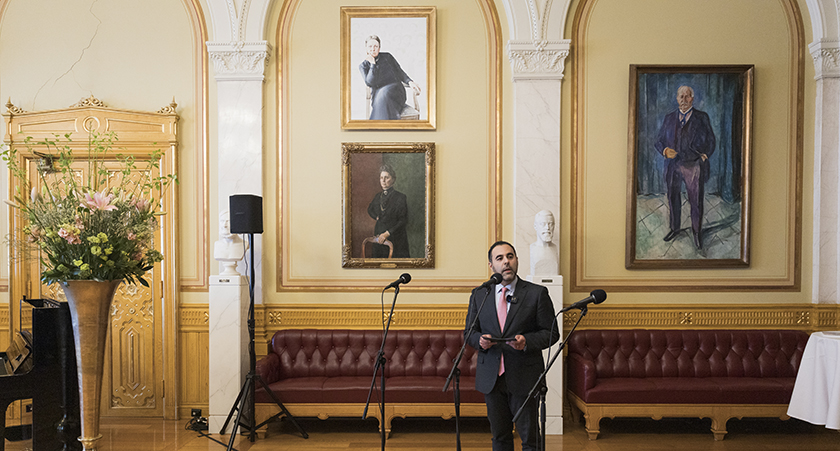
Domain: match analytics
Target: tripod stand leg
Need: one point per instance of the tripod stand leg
(243, 398)
(282, 408)
(234, 408)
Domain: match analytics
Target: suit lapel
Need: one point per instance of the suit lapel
(519, 293)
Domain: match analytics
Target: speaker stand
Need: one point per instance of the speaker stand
(246, 398)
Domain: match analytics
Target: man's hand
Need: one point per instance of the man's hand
(485, 343)
(704, 157)
(518, 344)
(669, 153)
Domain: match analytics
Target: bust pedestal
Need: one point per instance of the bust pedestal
(554, 378)
(228, 343)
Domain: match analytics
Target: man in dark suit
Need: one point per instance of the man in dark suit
(507, 370)
(687, 141)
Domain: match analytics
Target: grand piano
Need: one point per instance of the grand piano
(51, 382)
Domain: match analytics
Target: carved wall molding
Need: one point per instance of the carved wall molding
(12, 109)
(87, 102)
(538, 11)
(826, 56)
(540, 60)
(241, 60)
(807, 317)
(168, 109)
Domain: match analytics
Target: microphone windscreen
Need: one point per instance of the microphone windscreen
(496, 278)
(599, 295)
(406, 277)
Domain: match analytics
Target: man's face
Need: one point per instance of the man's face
(544, 225)
(385, 179)
(684, 99)
(372, 47)
(504, 262)
(224, 226)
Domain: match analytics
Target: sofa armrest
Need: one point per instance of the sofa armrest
(268, 368)
(581, 374)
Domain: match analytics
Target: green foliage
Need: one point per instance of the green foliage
(96, 227)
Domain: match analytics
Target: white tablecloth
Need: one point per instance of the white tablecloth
(816, 393)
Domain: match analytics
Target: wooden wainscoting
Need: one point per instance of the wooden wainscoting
(193, 336)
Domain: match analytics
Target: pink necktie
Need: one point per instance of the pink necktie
(501, 311)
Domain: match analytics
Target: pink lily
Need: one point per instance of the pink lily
(99, 201)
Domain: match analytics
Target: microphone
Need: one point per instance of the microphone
(405, 278)
(595, 297)
(495, 279)
(512, 299)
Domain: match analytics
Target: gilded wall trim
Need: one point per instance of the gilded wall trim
(194, 318)
(269, 318)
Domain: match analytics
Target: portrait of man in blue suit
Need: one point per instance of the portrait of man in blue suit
(686, 141)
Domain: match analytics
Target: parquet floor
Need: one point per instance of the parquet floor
(434, 434)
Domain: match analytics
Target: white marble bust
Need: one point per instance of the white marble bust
(544, 256)
(230, 248)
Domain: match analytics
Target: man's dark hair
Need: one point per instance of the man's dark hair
(498, 243)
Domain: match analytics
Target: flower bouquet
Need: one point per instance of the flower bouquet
(87, 226)
(92, 227)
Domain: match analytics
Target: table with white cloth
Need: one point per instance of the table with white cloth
(816, 392)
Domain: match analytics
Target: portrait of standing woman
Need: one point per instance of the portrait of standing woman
(383, 74)
(390, 210)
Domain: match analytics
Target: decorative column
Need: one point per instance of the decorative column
(826, 242)
(239, 69)
(537, 75)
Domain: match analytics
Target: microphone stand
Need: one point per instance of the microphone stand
(456, 373)
(380, 365)
(540, 381)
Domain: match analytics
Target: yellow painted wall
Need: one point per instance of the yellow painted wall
(309, 149)
(130, 55)
(616, 34)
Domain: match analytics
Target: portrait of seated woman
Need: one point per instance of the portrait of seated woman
(386, 80)
(390, 211)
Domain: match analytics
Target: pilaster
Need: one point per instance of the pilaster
(240, 74)
(826, 243)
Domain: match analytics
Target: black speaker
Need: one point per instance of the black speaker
(246, 214)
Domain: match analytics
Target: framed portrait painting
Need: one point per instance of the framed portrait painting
(688, 190)
(388, 205)
(388, 67)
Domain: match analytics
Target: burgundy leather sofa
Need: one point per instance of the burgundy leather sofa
(717, 374)
(327, 373)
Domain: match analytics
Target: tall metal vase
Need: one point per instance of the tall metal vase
(90, 303)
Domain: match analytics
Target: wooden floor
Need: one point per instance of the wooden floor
(433, 434)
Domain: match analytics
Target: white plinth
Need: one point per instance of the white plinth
(554, 378)
(228, 342)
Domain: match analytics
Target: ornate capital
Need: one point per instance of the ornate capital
(826, 55)
(540, 60)
(244, 61)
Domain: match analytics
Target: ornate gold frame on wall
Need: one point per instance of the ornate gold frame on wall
(692, 280)
(360, 180)
(738, 130)
(350, 71)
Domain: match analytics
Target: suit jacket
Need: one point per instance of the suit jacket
(531, 315)
(690, 141)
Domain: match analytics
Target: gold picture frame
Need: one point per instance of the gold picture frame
(393, 229)
(662, 230)
(372, 99)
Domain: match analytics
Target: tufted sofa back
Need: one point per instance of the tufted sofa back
(690, 353)
(350, 353)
